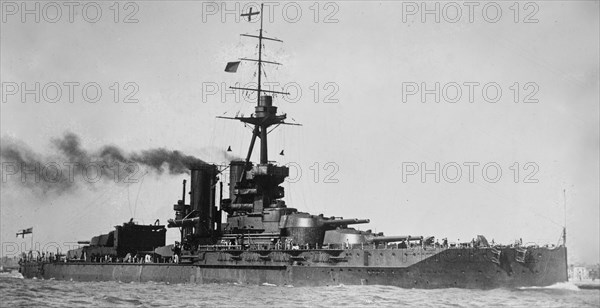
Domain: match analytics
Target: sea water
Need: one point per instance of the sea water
(18, 292)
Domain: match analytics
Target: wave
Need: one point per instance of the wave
(568, 286)
(266, 284)
(13, 274)
(59, 293)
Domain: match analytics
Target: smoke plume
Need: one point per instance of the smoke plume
(71, 164)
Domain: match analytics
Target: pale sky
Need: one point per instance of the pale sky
(366, 57)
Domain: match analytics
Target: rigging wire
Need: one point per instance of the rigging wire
(96, 202)
(138, 193)
(129, 202)
(111, 194)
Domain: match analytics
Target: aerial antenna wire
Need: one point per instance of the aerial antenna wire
(564, 235)
(129, 201)
(138, 193)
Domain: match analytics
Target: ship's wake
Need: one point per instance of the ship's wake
(566, 286)
(13, 274)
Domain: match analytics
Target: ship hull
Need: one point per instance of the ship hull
(406, 268)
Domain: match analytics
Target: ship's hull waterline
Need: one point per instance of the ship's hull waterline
(406, 268)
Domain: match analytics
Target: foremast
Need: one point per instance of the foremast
(265, 113)
(254, 188)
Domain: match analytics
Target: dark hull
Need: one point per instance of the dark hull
(406, 268)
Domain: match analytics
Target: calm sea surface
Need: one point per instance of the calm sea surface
(18, 292)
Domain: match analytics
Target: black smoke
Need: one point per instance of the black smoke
(70, 164)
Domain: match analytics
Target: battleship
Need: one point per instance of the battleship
(246, 233)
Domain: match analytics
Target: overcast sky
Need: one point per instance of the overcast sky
(366, 65)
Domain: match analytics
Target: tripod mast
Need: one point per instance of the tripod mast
(265, 113)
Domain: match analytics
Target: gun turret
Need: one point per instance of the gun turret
(343, 222)
(397, 238)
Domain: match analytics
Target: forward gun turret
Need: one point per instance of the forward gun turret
(334, 223)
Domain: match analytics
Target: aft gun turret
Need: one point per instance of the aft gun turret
(394, 238)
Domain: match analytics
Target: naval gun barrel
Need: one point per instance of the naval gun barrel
(172, 223)
(397, 238)
(342, 222)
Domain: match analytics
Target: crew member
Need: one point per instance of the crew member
(403, 244)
